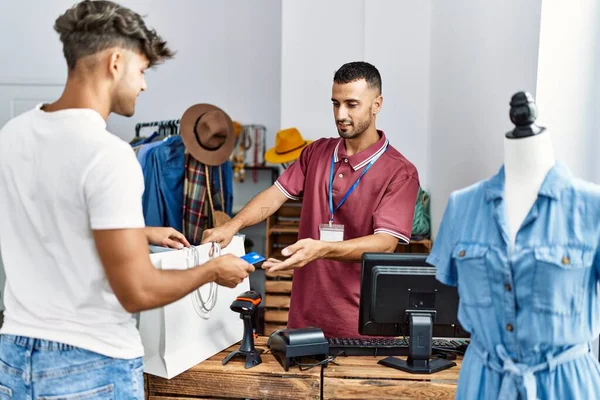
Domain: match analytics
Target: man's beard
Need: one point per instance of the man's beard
(359, 130)
(123, 102)
(124, 106)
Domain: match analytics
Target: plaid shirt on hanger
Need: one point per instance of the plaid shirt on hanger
(195, 208)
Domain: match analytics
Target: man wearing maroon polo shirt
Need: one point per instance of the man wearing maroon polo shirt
(358, 195)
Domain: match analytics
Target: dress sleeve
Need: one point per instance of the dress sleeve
(443, 246)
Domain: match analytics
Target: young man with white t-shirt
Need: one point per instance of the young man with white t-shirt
(72, 233)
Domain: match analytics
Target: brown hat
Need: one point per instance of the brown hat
(207, 132)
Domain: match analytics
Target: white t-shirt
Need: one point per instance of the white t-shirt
(63, 174)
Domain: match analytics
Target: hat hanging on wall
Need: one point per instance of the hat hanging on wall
(289, 143)
(237, 128)
(207, 133)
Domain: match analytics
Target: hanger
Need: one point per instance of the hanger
(165, 128)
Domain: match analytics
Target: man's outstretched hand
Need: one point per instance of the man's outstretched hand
(299, 254)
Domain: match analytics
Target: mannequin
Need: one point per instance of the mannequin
(531, 313)
(528, 157)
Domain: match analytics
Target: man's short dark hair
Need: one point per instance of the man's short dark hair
(358, 70)
(92, 26)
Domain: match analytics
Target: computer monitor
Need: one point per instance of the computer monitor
(400, 296)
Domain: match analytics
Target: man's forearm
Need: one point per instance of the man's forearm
(167, 286)
(260, 208)
(353, 249)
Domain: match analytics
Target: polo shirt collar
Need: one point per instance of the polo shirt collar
(361, 159)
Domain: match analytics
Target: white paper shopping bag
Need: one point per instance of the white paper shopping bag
(178, 336)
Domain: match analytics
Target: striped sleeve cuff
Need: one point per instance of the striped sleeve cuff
(403, 238)
(285, 192)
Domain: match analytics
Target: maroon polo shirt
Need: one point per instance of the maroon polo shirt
(325, 293)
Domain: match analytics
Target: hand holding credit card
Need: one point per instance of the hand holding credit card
(253, 258)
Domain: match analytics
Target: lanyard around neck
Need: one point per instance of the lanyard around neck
(331, 209)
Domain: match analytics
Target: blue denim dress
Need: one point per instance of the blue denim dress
(531, 312)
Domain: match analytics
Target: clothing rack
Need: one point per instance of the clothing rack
(166, 127)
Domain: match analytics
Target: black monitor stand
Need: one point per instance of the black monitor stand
(419, 350)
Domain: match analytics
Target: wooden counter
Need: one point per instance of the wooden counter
(351, 378)
(232, 381)
(363, 378)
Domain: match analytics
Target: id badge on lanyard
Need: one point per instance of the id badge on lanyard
(331, 232)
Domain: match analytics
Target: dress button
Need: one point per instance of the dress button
(341, 175)
(566, 260)
(510, 328)
(507, 287)
(462, 253)
(345, 160)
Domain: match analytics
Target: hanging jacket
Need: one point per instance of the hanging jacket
(163, 178)
(227, 176)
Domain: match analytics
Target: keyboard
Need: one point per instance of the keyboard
(389, 346)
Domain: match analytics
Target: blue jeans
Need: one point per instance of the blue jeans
(41, 369)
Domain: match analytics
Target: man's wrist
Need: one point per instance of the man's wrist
(237, 224)
(211, 268)
(326, 250)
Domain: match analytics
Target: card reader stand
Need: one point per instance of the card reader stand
(246, 304)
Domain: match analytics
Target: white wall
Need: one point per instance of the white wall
(318, 37)
(34, 54)
(397, 42)
(568, 84)
(229, 54)
(481, 54)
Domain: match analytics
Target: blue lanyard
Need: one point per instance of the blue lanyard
(331, 210)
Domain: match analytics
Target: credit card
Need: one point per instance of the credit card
(253, 258)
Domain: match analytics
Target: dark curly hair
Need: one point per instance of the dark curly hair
(92, 26)
(358, 70)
